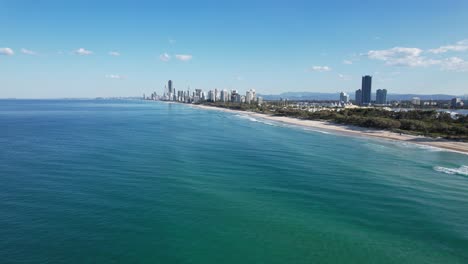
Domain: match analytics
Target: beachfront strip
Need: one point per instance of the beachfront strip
(363, 112)
(362, 98)
(198, 96)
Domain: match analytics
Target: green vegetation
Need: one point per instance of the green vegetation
(419, 122)
(427, 123)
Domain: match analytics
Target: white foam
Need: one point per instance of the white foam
(256, 120)
(463, 170)
(418, 146)
(319, 131)
(280, 124)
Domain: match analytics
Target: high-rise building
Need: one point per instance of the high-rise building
(237, 98)
(211, 96)
(381, 97)
(169, 85)
(224, 96)
(344, 98)
(416, 101)
(358, 97)
(248, 97)
(456, 102)
(216, 95)
(366, 90)
(234, 94)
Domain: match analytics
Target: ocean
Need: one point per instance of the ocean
(115, 181)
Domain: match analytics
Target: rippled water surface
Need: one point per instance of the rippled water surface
(143, 182)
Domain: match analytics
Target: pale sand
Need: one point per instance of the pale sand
(461, 147)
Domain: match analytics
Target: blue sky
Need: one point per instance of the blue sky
(127, 48)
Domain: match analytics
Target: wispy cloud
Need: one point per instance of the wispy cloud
(82, 52)
(183, 57)
(6, 52)
(165, 57)
(459, 46)
(172, 41)
(349, 62)
(28, 52)
(455, 64)
(416, 57)
(115, 76)
(402, 56)
(114, 53)
(320, 69)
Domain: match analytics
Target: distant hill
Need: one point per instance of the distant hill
(336, 96)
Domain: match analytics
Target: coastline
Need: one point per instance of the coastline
(453, 146)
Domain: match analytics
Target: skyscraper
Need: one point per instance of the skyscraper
(344, 98)
(456, 102)
(250, 96)
(381, 97)
(169, 85)
(358, 97)
(224, 95)
(366, 90)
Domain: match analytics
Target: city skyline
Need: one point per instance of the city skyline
(86, 49)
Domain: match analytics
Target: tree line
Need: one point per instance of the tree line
(420, 122)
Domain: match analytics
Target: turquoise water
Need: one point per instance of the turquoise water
(143, 182)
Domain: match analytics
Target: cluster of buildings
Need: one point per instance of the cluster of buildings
(456, 103)
(363, 96)
(197, 96)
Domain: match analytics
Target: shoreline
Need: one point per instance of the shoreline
(349, 130)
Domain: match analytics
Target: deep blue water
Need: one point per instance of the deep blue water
(143, 182)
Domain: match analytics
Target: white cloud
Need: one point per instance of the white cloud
(455, 64)
(165, 57)
(83, 52)
(114, 53)
(347, 62)
(396, 52)
(401, 56)
(320, 68)
(183, 57)
(28, 52)
(459, 46)
(415, 57)
(172, 41)
(6, 52)
(115, 76)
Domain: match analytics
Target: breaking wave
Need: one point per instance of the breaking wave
(256, 120)
(463, 170)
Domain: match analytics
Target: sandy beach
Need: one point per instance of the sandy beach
(461, 147)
